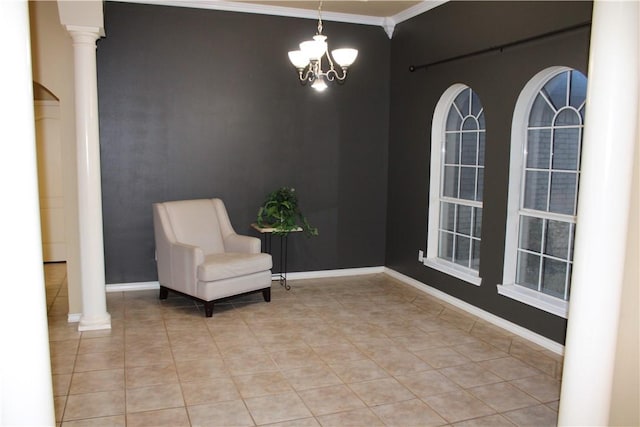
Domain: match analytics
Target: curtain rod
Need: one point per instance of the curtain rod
(500, 48)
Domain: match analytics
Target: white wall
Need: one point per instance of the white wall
(52, 56)
(26, 394)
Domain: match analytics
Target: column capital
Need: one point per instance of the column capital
(80, 32)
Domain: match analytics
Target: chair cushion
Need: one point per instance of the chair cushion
(232, 264)
(195, 222)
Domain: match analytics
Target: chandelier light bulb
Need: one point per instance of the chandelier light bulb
(319, 84)
(298, 59)
(315, 48)
(344, 57)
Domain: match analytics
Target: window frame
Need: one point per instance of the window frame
(438, 134)
(519, 135)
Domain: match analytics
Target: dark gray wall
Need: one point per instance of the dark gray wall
(454, 29)
(197, 103)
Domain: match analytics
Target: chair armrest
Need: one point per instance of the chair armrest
(242, 244)
(184, 265)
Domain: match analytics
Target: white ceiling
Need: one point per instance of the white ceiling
(384, 13)
(363, 7)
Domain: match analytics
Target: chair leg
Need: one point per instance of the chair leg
(266, 294)
(164, 292)
(208, 308)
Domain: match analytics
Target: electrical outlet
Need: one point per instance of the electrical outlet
(420, 255)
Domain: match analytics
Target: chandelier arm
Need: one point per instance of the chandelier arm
(305, 75)
(331, 67)
(335, 75)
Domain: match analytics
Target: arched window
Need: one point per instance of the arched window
(456, 184)
(545, 169)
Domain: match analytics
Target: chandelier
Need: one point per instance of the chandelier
(308, 60)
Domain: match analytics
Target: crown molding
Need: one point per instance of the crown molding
(416, 10)
(387, 23)
(244, 7)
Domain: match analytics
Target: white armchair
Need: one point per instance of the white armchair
(200, 255)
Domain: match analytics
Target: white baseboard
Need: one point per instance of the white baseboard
(319, 274)
(478, 312)
(73, 317)
(143, 286)
(135, 286)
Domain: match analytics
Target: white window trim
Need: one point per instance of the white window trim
(536, 299)
(437, 150)
(508, 287)
(455, 270)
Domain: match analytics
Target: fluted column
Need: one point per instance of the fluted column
(94, 305)
(610, 137)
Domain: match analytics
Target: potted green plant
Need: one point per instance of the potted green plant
(281, 212)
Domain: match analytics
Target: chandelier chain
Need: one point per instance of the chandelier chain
(320, 18)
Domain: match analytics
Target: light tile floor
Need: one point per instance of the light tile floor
(353, 351)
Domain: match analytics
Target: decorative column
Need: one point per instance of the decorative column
(94, 304)
(610, 137)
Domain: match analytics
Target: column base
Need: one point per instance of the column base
(94, 323)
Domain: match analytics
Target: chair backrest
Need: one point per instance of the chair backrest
(198, 223)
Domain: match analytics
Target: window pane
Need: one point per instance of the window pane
(451, 150)
(481, 137)
(554, 275)
(556, 90)
(568, 290)
(476, 105)
(445, 248)
(578, 89)
(468, 183)
(469, 148)
(563, 192)
(481, 121)
(480, 184)
(470, 124)
(566, 148)
(539, 148)
(464, 220)
(477, 222)
(463, 245)
(541, 113)
(531, 233)
(450, 185)
(571, 240)
(557, 239)
(567, 117)
(462, 102)
(454, 119)
(475, 255)
(447, 216)
(535, 192)
(528, 270)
